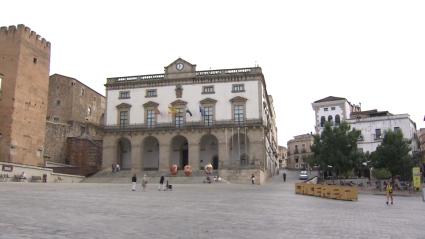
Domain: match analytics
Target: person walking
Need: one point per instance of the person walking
(284, 176)
(134, 181)
(252, 179)
(161, 183)
(389, 189)
(144, 182)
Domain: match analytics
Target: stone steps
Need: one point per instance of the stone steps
(124, 176)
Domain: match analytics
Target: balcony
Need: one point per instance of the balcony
(186, 125)
(378, 137)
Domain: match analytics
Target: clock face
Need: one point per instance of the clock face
(179, 66)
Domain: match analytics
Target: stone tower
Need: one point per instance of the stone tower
(24, 84)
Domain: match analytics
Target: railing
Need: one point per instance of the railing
(225, 71)
(198, 73)
(136, 78)
(378, 137)
(186, 125)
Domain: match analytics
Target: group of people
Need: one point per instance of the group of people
(134, 182)
(145, 182)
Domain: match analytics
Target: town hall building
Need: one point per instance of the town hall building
(186, 117)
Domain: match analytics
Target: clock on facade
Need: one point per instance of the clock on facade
(179, 66)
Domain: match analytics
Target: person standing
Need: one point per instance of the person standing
(252, 179)
(134, 181)
(284, 176)
(117, 168)
(144, 182)
(389, 189)
(161, 183)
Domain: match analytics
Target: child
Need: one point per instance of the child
(134, 181)
(389, 190)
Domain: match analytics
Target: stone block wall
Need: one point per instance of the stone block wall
(85, 154)
(25, 65)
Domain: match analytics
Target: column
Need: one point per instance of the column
(194, 156)
(109, 151)
(136, 154)
(164, 152)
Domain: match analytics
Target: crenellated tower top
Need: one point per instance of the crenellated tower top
(21, 30)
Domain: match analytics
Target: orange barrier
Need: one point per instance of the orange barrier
(327, 191)
(317, 190)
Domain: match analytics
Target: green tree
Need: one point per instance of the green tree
(393, 154)
(335, 149)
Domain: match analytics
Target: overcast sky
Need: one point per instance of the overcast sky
(371, 52)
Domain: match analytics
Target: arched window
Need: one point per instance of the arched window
(330, 119)
(322, 121)
(337, 120)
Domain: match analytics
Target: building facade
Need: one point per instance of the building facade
(372, 123)
(24, 84)
(74, 124)
(421, 136)
(188, 117)
(282, 156)
(299, 151)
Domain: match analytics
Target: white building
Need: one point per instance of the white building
(188, 117)
(373, 124)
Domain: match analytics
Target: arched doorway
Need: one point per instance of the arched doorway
(179, 151)
(150, 154)
(239, 149)
(208, 147)
(124, 153)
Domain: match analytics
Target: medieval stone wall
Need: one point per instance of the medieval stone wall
(25, 64)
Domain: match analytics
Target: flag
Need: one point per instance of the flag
(188, 112)
(171, 110)
(201, 110)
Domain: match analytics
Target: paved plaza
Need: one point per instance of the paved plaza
(36, 210)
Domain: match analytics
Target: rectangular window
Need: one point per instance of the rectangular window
(397, 129)
(378, 133)
(325, 109)
(332, 108)
(179, 117)
(123, 118)
(208, 89)
(238, 88)
(239, 114)
(151, 93)
(56, 119)
(208, 116)
(150, 118)
(124, 95)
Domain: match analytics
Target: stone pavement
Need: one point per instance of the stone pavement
(36, 210)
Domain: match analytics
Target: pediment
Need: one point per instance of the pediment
(238, 99)
(208, 101)
(178, 102)
(180, 68)
(123, 106)
(150, 104)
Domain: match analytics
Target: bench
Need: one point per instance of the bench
(19, 178)
(35, 178)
